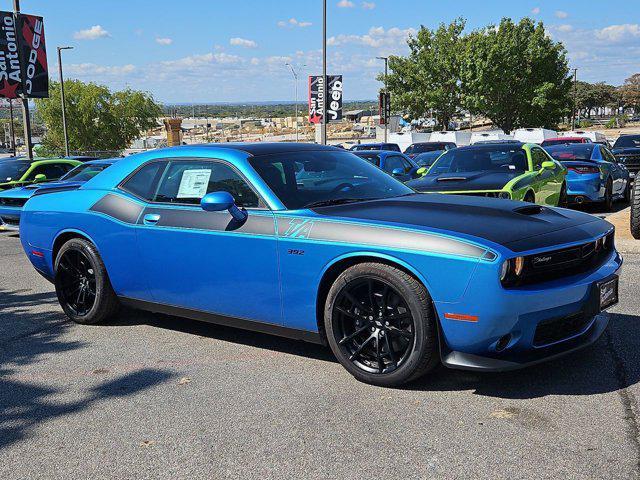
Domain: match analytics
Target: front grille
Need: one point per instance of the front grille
(631, 161)
(13, 202)
(10, 221)
(565, 262)
(558, 329)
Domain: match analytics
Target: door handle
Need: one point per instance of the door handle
(151, 219)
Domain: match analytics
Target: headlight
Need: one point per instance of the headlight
(506, 195)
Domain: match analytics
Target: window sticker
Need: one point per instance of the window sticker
(194, 183)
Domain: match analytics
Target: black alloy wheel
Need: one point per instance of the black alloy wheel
(373, 325)
(77, 282)
(608, 196)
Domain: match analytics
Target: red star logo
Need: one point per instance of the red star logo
(8, 90)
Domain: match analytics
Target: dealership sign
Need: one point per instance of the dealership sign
(22, 52)
(317, 98)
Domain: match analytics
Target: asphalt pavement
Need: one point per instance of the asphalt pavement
(152, 396)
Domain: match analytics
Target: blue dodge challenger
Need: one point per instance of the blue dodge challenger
(392, 280)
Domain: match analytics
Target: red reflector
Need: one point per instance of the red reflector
(37, 254)
(461, 317)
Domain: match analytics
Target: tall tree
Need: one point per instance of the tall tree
(515, 75)
(630, 92)
(428, 79)
(97, 119)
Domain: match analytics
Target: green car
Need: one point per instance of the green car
(21, 171)
(509, 170)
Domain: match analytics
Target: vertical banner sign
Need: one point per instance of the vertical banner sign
(33, 56)
(10, 84)
(317, 98)
(384, 107)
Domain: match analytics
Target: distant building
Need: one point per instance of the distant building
(356, 115)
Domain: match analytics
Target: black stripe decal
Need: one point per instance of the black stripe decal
(376, 236)
(211, 221)
(118, 207)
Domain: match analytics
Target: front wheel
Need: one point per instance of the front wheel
(608, 196)
(381, 325)
(82, 284)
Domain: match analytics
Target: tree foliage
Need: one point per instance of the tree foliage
(97, 118)
(429, 77)
(515, 75)
(594, 96)
(630, 92)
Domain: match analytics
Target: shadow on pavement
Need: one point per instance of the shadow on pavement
(24, 404)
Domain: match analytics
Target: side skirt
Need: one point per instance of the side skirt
(199, 315)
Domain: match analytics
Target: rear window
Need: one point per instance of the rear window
(425, 147)
(576, 151)
(373, 158)
(628, 141)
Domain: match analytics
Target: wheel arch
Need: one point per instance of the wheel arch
(63, 237)
(338, 265)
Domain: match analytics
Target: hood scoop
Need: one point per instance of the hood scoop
(529, 210)
(451, 179)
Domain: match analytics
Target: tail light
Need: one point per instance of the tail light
(584, 170)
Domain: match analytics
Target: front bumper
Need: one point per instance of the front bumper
(10, 218)
(518, 315)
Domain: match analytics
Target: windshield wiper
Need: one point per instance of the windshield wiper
(335, 201)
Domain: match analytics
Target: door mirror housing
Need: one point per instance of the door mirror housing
(422, 171)
(548, 165)
(218, 201)
(396, 172)
(41, 177)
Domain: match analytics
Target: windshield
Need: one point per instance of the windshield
(424, 147)
(427, 159)
(485, 158)
(628, 141)
(12, 171)
(576, 151)
(84, 173)
(304, 178)
(562, 141)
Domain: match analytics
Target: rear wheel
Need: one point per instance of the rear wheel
(380, 325)
(82, 284)
(627, 192)
(608, 196)
(635, 210)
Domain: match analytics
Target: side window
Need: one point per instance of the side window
(538, 157)
(51, 171)
(186, 182)
(607, 155)
(392, 162)
(407, 165)
(142, 183)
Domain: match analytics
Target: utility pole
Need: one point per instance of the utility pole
(62, 100)
(325, 87)
(575, 99)
(25, 101)
(12, 132)
(295, 82)
(386, 99)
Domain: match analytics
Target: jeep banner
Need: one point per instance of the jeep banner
(10, 84)
(317, 98)
(34, 56)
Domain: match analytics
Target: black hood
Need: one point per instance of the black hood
(454, 182)
(516, 225)
(626, 151)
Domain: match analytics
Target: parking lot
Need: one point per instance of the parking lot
(151, 396)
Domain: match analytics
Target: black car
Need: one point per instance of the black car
(627, 151)
(416, 149)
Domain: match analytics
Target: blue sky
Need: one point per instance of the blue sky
(221, 50)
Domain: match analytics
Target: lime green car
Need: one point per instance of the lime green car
(21, 171)
(509, 170)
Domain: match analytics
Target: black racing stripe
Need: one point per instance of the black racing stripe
(118, 207)
(212, 221)
(377, 236)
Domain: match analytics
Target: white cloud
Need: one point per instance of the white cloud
(565, 28)
(346, 4)
(536, 11)
(243, 42)
(292, 23)
(91, 69)
(91, 33)
(561, 14)
(368, 5)
(377, 37)
(619, 33)
(164, 41)
(198, 60)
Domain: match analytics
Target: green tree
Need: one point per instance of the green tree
(97, 119)
(594, 96)
(630, 92)
(428, 79)
(516, 76)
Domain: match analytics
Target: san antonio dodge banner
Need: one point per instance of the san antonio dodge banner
(34, 56)
(317, 100)
(10, 84)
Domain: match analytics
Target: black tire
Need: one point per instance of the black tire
(635, 210)
(530, 197)
(82, 284)
(608, 196)
(627, 192)
(563, 201)
(409, 322)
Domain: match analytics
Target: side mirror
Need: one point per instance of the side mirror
(422, 171)
(218, 201)
(396, 172)
(41, 177)
(548, 165)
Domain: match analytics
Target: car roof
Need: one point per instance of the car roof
(568, 139)
(102, 161)
(262, 148)
(492, 144)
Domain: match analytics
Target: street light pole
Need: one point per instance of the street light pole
(295, 81)
(325, 99)
(386, 71)
(575, 99)
(62, 100)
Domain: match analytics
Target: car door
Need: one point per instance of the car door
(543, 184)
(207, 261)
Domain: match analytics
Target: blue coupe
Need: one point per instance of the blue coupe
(593, 173)
(393, 281)
(394, 163)
(12, 201)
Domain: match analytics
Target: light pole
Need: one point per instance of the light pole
(295, 81)
(323, 126)
(64, 108)
(386, 120)
(575, 100)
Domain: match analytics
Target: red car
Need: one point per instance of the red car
(565, 141)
